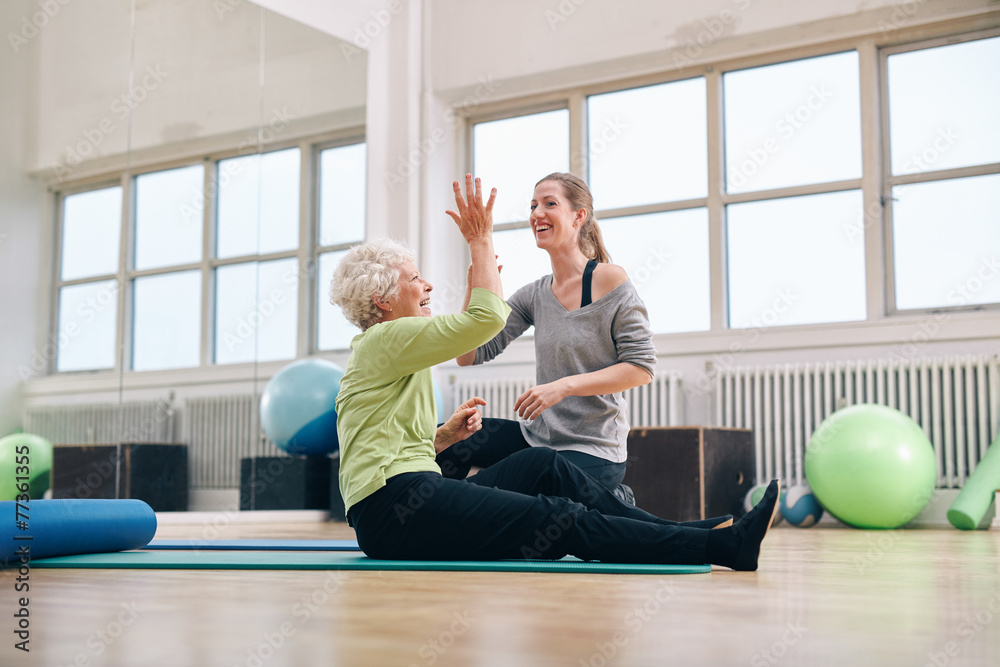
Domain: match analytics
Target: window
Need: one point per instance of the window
(944, 159)
(167, 325)
(341, 224)
(335, 332)
(256, 311)
(666, 257)
(648, 145)
(164, 234)
(953, 226)
(790, 261)
(258, 204)
(87, 283)
(247, 268)
(512, 154)
(256, 302)
(787, 191)
(795, 123)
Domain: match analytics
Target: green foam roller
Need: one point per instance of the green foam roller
(977, 494)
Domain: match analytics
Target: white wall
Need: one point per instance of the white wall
(24, 246)
(196, 76)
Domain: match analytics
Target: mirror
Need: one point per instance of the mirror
(186, 145)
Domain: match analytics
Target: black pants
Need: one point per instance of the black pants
(499, 438)
(533, 504)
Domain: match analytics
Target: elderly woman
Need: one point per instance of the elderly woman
(534, 503)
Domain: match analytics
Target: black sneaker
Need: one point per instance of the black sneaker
(624, 493)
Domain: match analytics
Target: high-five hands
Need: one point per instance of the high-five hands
(473, 218)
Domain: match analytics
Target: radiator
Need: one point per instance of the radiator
(956, 400)
(659, 403)
(149, 421)
(219, 431)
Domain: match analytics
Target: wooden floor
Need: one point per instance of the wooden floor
(823, 596)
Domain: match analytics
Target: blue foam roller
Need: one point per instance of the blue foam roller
(69, 527)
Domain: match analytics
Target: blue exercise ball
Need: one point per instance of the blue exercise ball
(800, 507)
(298, 408)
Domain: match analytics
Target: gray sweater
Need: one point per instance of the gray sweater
(613, 329)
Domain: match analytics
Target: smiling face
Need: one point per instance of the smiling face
(414, 295)
(552, 217)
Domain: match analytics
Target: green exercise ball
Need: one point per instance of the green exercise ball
(871, 466)
(24, 450)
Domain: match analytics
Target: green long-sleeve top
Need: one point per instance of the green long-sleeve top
(386, 417)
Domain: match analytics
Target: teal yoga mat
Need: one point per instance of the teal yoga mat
(285, 560)
(255, 545)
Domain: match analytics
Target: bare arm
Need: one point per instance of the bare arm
(611, 380)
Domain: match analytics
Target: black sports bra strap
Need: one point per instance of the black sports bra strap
(588, 276)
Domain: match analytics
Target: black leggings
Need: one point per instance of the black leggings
(499, 438)
(533, 504)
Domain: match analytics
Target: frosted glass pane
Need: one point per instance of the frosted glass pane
(87, 319)
(91, 233)
(167, 325)
(946, 242)
(648, 145)
(796, 261)
(522, 261)
(335, 332)
(168, 223)
(342, 194)
(943, 107)
(267, 185)
(793, 124)
(511, 155)
(256, 311)
(666, 257)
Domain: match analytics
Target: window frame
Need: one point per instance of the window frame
(889, 181)
(307, 252)
(872, 50)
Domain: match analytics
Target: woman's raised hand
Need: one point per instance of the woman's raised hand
(473, 218)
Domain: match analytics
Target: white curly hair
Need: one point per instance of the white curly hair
(367, 271)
